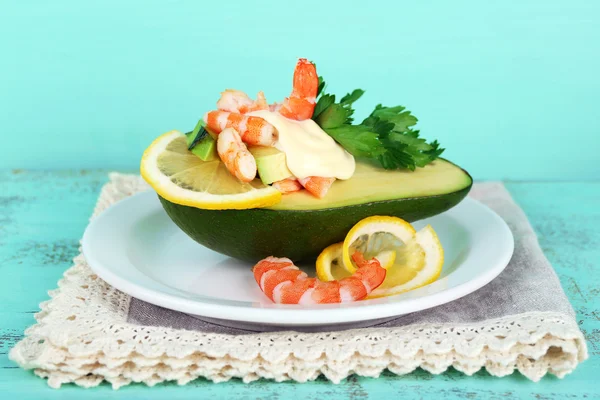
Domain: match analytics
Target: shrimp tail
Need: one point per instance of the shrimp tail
(261, 102)
(287, 185)
(275, 107)
(239, 102)
(370, 272)
(301, 103)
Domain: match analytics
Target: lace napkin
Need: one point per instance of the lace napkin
(89, 332)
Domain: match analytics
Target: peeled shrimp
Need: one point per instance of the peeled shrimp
(275, 107)
(287, 185)
(317, 185)
(301, 103)
(235, 155)
(282, 282)
(253, 130)
(238, 102)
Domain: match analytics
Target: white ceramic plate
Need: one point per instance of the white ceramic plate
(135, 247)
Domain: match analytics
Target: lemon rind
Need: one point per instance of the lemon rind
(435, 253)
(397, 226)
(178, 195)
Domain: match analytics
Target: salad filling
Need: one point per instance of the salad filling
(309, 150)
(313, 138)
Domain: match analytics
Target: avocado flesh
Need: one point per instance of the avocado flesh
(372, 183)
(206, 149)
(300, 227)
(271, 164)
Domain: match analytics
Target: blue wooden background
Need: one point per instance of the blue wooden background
(512, 89)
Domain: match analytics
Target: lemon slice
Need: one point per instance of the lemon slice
(418, 263)
(375, 237)
(182, 178)
(386, 258)
(330, 265)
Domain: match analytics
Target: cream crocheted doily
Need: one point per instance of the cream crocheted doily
(82, 337)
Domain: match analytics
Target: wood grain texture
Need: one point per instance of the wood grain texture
(43, 215)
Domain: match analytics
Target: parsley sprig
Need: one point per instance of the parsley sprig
(386, 135)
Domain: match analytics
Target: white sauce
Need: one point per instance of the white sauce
(308, 149)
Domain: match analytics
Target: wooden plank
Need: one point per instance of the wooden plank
(566, 217)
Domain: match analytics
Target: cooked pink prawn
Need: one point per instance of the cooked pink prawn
(317, 185)
(235, 155)
(253, 130)
(275, 107)
(282, 282)
(232, 106)
(239, 102)
(301, 103)
(287, 185)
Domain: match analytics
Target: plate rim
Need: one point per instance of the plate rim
(292, 315)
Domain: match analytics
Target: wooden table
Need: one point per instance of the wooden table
(43, 216)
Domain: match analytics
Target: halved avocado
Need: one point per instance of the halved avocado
(301, 226)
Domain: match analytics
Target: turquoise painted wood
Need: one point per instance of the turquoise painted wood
(43, 215)
(510, 88)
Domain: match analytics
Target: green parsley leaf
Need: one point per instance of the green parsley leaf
(322, 104)
(405, 148)
(435, 152)
(321, 86)
(382, 128)
(385, 135)
(358, 140)
(333, 116)
(412, 139)
(402, 119)
(352, 97)
(329, 114)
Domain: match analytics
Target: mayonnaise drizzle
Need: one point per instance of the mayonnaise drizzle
(308, 149)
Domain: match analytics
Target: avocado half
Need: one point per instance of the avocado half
(301, 226)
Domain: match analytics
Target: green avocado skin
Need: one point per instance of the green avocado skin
(254, 234)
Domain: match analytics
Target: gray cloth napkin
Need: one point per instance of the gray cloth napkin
(528, 284)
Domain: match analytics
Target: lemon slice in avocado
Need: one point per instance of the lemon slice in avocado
(418, 263)
(330, 265)
(182, 178)
(375, 237)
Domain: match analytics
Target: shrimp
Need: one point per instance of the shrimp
(301, 103)
(235, 155)
(275, 107)
(287, 185)
(283, 283)
(238, 102)
(253, 130)
(317, 185)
